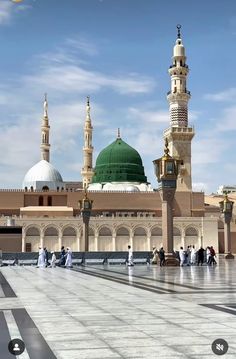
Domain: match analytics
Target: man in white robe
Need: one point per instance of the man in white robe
(41, 258)
(193, 255)
(181, 256)
(130, 257)
(68, 258)
(53, 260)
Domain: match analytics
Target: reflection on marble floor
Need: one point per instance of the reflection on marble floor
(118, 312)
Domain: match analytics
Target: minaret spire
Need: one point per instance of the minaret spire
(178, 29)
(118, 134)
(178, 96)
(87, 170)
(45, 129)
(180, 134)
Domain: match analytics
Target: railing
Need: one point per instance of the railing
(173, 65)
(177, 92)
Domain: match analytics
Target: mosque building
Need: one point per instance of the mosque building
(126, 209)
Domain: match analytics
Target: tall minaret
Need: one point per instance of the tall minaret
(87, 170)
(45, 128)
(180, 134)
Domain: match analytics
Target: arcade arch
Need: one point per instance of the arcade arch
(32, 239)
(105, 239)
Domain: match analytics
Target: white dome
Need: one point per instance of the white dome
(132, 189)
(179, 49)
(121, 187)
(42, 174)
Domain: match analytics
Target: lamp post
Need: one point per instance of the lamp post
(166, 170)
(86, 208)
(226, 208)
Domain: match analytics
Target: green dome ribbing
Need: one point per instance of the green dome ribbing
(119, 162)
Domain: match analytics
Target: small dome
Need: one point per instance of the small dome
(119, 162)
(179, 49)
(132, 189)
(41, 175)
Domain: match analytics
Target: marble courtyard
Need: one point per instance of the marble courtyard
(118, 312)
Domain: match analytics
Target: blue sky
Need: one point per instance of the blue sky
(118, 52)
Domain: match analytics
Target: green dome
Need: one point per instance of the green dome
(119, 162)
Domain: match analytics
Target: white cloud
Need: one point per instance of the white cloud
(82, 44)
(227, 95)
(68, 78)
(154, 116)
(208, 148)
(6, 8)
(226, 121)
(200, 187)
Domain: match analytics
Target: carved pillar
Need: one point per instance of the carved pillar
(149, 240)
(41, 241)
(23, 241)
(96, 242)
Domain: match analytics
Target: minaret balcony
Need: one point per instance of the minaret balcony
(179, 93)
(174, 65)
(180, 133)
(178, 71)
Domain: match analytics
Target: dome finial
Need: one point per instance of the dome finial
(178, 29)
(45, 105)
(88, 108)
(118, 134)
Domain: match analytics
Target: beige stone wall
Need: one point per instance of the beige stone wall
(113, 234)
(185, 203)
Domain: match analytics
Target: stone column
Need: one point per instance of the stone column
(167, 227)
(78, 242)
(41, 241)
(227, 236)
(59, 239)
(82, 240)
(23, 241)
(96, 242)
(167, 196)
(131, 241)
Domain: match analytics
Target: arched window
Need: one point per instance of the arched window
(45, 188)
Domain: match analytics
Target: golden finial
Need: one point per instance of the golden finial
(178, 33)
(88, 98)
(118, 133)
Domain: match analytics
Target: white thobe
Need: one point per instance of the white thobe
(193, 255)
(208, 254)
(181, 256)
(68, 259)
(53, 260)
(41, 258)
(130, 257)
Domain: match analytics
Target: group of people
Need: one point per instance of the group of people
(192, 256)
(65, 259)
(188, 257)
(160, 254)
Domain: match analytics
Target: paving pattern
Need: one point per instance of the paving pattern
(119, 312)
